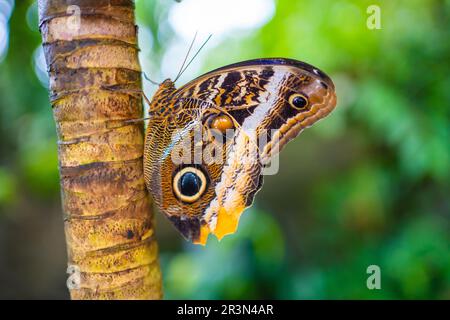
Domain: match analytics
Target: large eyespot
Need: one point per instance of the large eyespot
(298, 101)
(189, 184)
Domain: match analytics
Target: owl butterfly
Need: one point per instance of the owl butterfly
(203, 185)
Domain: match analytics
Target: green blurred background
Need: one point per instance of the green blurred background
(368, 185)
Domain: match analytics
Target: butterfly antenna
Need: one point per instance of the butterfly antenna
(186, 57)
(136, 120)
(150, 80)
(195, 55)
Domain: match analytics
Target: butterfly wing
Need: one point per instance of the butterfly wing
(265, 103)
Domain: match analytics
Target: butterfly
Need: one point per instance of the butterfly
(207, 143)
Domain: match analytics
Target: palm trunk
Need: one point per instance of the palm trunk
(92, 57)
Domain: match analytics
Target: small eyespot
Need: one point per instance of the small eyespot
(298, 101)
(189, 184)
(221, 122)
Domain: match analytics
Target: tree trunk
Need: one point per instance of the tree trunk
(92, 57)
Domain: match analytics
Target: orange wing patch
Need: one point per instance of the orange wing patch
(227, 223)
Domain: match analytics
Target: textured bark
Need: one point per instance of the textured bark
(94, 79)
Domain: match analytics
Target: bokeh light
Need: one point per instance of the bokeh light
(6, 8)
(219, 18)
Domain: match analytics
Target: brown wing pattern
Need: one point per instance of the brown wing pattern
(274, 98)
